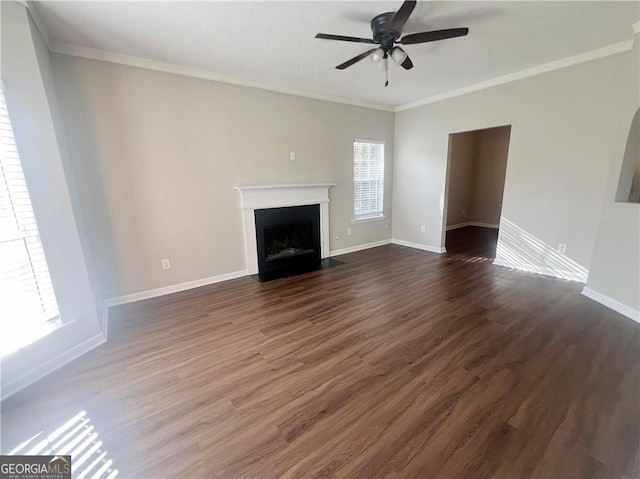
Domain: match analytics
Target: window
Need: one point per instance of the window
(28, 308)
(368, 179)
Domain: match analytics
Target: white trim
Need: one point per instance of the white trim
(529, 72)
(457, 226)
(176, 288)
(532, 268)
(360, 247)
(65, 358)
(367, 219)
(484, 225)
(424, 247)
(53, 364)
(611, 303)
(277, 196)
(104, 321)
(112, 57)
(37, 21)
(281, 187)
(473, 223)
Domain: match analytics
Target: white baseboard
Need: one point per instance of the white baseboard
(532, 268)
(473, 223)
(360, 247)
(424, 247)
(611, 303)
(53, 364)
(457, 226)
(175, 288)
(154, 293)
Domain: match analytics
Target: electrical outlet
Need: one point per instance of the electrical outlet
(292, 156)
(464, 211)
(348, 231)
(166, 264)
(386, 226)
(337, 238)
(423, 228)
(562, 248)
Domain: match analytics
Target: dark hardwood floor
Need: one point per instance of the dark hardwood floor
(399, 363)
(472, 241)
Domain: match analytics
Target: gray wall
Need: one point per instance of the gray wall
(462, 155)
(564, 125)
(615, 266)
(477, 166)
(159, 155)
(488, 175)
(26, 73)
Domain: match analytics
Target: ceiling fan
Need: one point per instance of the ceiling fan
(387, 29)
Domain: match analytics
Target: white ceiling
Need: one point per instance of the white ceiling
(273, 44)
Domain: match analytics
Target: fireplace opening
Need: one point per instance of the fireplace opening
(288, 239)
(285, 241)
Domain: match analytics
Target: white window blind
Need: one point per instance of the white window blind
(368, 179)
(28, 308)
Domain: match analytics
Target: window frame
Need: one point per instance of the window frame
(364, 218)
(19, 230)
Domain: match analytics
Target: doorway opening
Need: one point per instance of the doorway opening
(476, 170)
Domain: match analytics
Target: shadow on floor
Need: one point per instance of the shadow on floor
(472, 241)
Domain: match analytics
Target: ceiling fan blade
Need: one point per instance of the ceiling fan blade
(362, 56)
(433, 36)
(407, 64)
(327, 36)
(402, 15)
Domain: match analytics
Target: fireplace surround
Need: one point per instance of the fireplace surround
(253, 198)
(287, 238)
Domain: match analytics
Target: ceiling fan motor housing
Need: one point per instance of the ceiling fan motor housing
(382, 34)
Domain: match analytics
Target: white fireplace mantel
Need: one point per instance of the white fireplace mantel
(277, 196)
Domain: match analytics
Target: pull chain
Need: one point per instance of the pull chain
(386, 72)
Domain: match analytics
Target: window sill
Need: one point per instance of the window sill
(21, 336)
(367, 219)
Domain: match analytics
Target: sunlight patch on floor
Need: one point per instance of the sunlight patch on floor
(78, 438)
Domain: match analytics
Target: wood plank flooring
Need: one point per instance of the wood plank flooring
(400, 364)
(472, 241)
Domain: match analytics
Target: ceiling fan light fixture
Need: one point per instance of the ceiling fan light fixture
(386, 30)
(378, 55)
(398, 55)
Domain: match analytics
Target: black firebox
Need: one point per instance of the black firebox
(288, 239)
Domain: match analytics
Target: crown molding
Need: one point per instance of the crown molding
(37, 21)
(529, 72)
(112, 57)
